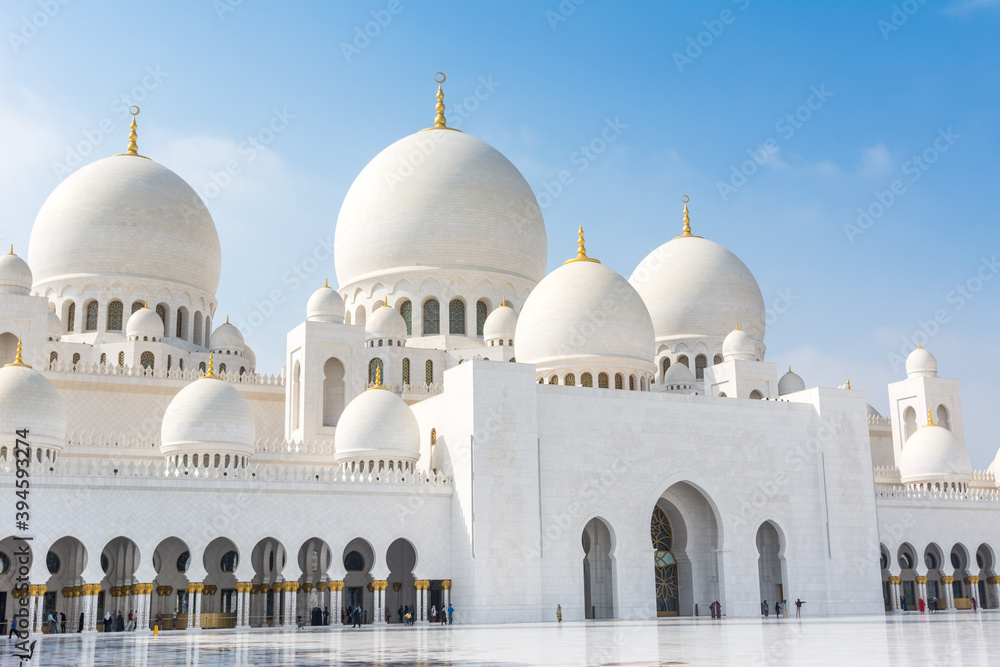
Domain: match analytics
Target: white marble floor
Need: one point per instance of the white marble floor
(910, 640)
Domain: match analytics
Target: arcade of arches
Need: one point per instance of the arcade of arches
(954, 578)
(177, 598)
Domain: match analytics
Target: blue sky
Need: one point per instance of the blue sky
(779, 119)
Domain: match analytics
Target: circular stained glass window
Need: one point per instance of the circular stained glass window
(354, 562)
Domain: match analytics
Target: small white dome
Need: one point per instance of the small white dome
(227, 337)
(790, 383)
(250, 357)
(678, 375)
(209, 416)
(377, 425)
(15, 276)
(872, 412)
(934, 454)
(144, 323)
(54, 325)
(921, 362)
(501, 323)
(583, 314)
(385, 322)
(739, 345)
(29, 401)
(325, 305)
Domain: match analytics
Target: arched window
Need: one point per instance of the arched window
(619, 381)
(942, 417)
(406, 371)
(243, 370)
(683, 360)
(76, 359)
(406, 310)
(664, 365)
(71, 317)
(699, 366)
(180, 323)
(569, 380)
(115, 310)
(434, 437)
(429, 372)
(104, 359)
(202, 367)
(554, 379)
(121, 360)
(480, 317)
(602, 380)
(53, 358)
(146, 359)
(296, 394)
(717, 360)
(180, 364)
(222, 368)
(909, 423)
(756, 395)
(91, 323)
(456, 317)
(196, 338)
(432, 317)
(136, 305)
(380, 341)
(230, 559)
(631, 383)
(161, 310)
(333, 391)
(587, 380)
(375, 370)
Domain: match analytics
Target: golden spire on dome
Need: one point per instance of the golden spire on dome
(581, 250)
(687, 221)
(440, 122)
(503, 302)
(211, 370)
(326, 282)
(918, 342)
(11, 249)
(848, 383)
(737, 327)
(378, 379)
(17, 358)
(930, 419)
(227, 319)
(133, 137)
(387, 299)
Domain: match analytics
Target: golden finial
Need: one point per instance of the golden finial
(133, 148)
(211, 369)
(227, 319)
(378, 378)
(440, 122)
(17, 358)
(11, 249)
(581, 250)
(503, 302)
(918, 342)
(326, 282)
(930, 419)
(737, 327)
(387, 299)
(687, 221)
(848, 383)
(146, 304)
(789, 368)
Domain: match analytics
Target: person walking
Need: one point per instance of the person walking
(53, 628)
(763, 608)
(451, 615)
(558, 613)
(174, 620)
(13, 627)
(798, 608)
(62, 623)
(920, 604)
(434, 613)
(902, 602)
(777, 609)
(159, 620)
(107, 621)
(80, 629)
(326, 616)
(974, 605)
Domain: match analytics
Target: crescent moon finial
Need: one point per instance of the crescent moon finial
(685, 199)
(440, 77)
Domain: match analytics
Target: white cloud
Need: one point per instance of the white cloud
(875, 161)
(965, 7)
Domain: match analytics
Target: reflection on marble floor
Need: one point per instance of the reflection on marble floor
(909, 640)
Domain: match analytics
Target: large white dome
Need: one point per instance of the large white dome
(125, 220)
(29, 401)
(934, 454)
(377, 425)
(695, 288)
(436, 200)
(209, 416)
(585, 315)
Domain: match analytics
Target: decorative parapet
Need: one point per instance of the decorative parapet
(875, 420)
(887, 474)
(418, 388)
(146, 441)
(262, 472)
(113, 370)
(900, 492)
(282, 446)
(983, 477)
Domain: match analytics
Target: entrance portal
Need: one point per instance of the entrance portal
(598, 571)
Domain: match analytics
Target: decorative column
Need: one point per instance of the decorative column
(33, 607)
(894, 593)
(90, 592)
(291, 608)
(194, 590)
(379, 605)
(993, 592)
(324, 599)
(921, 591)
(973, 583)
(446, 587)
(423, 585)
(336, 587)
(239, 604)
(278, 588)
(949, 594)
(304, 603)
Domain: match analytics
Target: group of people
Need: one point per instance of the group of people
(932, 603)
(780, 608)
(55, 624)
(118, 623)
(406, 615)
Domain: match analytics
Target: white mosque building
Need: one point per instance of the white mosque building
(451, 426)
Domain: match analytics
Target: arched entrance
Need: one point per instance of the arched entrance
(960, 563)
(359, 557)
(907, 577)
(598, 570)
(119, 560)
(769, 564)
(171, 560)
(986, 563)
(219, 599)
(268, 560)
(684, 530)
(314, 561)
(65, 561)
(401, 558)
(933, 561)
